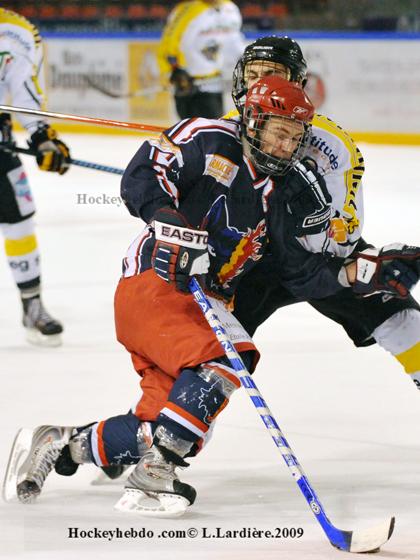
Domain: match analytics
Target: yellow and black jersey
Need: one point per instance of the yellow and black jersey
(202, 38)
(21, 61)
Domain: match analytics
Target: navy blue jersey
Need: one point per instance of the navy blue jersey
(199, 167)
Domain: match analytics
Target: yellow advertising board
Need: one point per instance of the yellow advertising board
(150, 101)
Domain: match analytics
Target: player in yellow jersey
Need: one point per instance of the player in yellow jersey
(21, 84)
(202, 39)
(392, 321)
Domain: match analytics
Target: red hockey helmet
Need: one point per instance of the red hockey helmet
(276, 124)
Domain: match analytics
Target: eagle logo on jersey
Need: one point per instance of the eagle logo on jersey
(236, 247)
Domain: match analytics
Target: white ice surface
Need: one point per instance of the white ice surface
(351, 416)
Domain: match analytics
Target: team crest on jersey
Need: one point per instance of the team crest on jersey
(221, 168)
(237, 247)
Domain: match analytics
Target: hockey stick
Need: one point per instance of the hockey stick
(351, 541)
(79, 162)
(145, 92)
(78, 118)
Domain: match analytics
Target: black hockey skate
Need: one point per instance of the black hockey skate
(41, 328)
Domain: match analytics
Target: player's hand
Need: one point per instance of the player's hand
(180, 251)
(394, 269)
(6, 128)
(182, 82)
(51, 153)
(308, 199)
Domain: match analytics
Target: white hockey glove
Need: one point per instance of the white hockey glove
(308, 199)
(180, 251)
(394, 269)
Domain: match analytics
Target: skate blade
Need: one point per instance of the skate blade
(137, 502)
(20, 449)
(33, 336)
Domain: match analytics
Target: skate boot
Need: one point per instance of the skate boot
(41, 328)
(154, 489)
(32, 458)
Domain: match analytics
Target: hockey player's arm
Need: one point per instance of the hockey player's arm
(170, 53)
(308, 199)
(159, 175)
(304, 273)
(343, 230)
(311, 275)
(343, 178)
(25, 84)
(26, 87)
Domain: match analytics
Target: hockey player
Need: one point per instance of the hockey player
(21, 80)
(392, 321)
(201, 41)
(211, 192)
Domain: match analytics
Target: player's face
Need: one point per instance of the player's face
(280, 137)
(260, 68)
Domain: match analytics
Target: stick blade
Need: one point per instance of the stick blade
(370, 540)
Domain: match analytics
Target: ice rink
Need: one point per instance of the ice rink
(351, 416)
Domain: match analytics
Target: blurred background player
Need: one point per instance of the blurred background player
(176, 184)
(200, 45)
(21, 84)
(392, 321)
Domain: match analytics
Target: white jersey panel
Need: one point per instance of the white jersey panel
(21, 72)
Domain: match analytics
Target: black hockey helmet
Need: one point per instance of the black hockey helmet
(282, 50)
